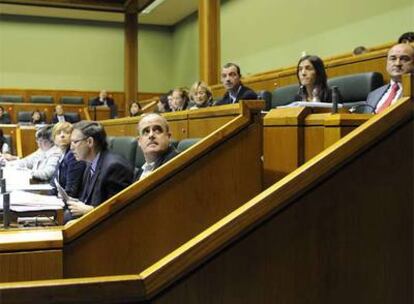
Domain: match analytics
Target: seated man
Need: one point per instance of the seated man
(44, 160)
(230, 78)
(4, 116)
(104, 100)
(106, 173)
(60, 116)
(400, 61)
(154, 140)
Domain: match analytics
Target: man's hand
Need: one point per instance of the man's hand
(77, 208)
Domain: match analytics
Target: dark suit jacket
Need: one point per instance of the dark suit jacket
(70, 173)
(113, 173)
(109, 102)
(245, 93)
(374, 97)
(168, 155)
(55, 119)
(5, 119)
(97, 102)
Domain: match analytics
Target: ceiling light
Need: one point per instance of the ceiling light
(151, 7)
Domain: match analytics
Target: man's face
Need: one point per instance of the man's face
(400, 61)
(153, 137)
(103, 94)
(59, 110)
(177, 101)
(80, 145)
(230, 78)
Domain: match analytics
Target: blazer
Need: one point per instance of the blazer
(244, 93)
(168, 155)
(113, 173)
(69, 173)
(55, 119)
(97, 102)
(374, 97)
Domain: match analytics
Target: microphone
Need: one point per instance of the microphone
(335, 99)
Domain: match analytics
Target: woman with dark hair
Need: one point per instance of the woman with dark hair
(36, 117)
(4, 147)
(163, 104)
(180, 100)
(311, 75)
(134, 109)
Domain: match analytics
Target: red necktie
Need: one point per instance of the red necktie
(387, 103)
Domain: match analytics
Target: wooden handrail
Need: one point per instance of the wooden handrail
(123, 198)
(231, 228)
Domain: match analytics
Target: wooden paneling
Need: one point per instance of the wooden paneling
(209, 40)
(173, 211)
(119, 97)
(31, 265)
(292, 136)
(374, 61)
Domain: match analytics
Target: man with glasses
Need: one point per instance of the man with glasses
(154, 141)
(106, 173)
(400, 61)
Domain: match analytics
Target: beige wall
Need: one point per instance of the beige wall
(259, 35)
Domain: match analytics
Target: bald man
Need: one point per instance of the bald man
(400, 61)
(154, 140)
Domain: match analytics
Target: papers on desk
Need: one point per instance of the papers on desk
(27, 201)
(318, 104)
(19, 179)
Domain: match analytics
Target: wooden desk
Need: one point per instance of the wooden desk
(292, 136)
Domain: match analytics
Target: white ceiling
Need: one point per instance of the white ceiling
(167, 13)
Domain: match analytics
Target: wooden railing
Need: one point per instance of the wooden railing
(374, 61)
(331, 226)
(226, 164)
(118, 97)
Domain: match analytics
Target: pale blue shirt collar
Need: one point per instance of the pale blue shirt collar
(233, 97)
(94, 163)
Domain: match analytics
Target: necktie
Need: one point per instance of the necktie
(391, 96)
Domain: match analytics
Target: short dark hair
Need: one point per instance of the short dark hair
(231, 64)
(45, 133)
(359, 50)
(409, 36)
(95, 130)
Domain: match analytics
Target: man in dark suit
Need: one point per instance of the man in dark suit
(154, 140)
(106, 173)
(60, 115)
(104, 100)
(230, 78)
(400, 61)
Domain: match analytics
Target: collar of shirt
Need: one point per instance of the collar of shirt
(95, 162)
(234, 96)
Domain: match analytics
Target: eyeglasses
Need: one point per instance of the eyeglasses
(75, 142)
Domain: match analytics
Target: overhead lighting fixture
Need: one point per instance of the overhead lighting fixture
(151, 7)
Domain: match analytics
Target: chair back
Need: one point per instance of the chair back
(356, 87)
(11, 98)
(71, 100)
(26, 116)
(267, 97)
(73, 116)
(284, 95)
(125, 146)
(41, 99)
(186, 143)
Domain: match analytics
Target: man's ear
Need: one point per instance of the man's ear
(90, 141)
